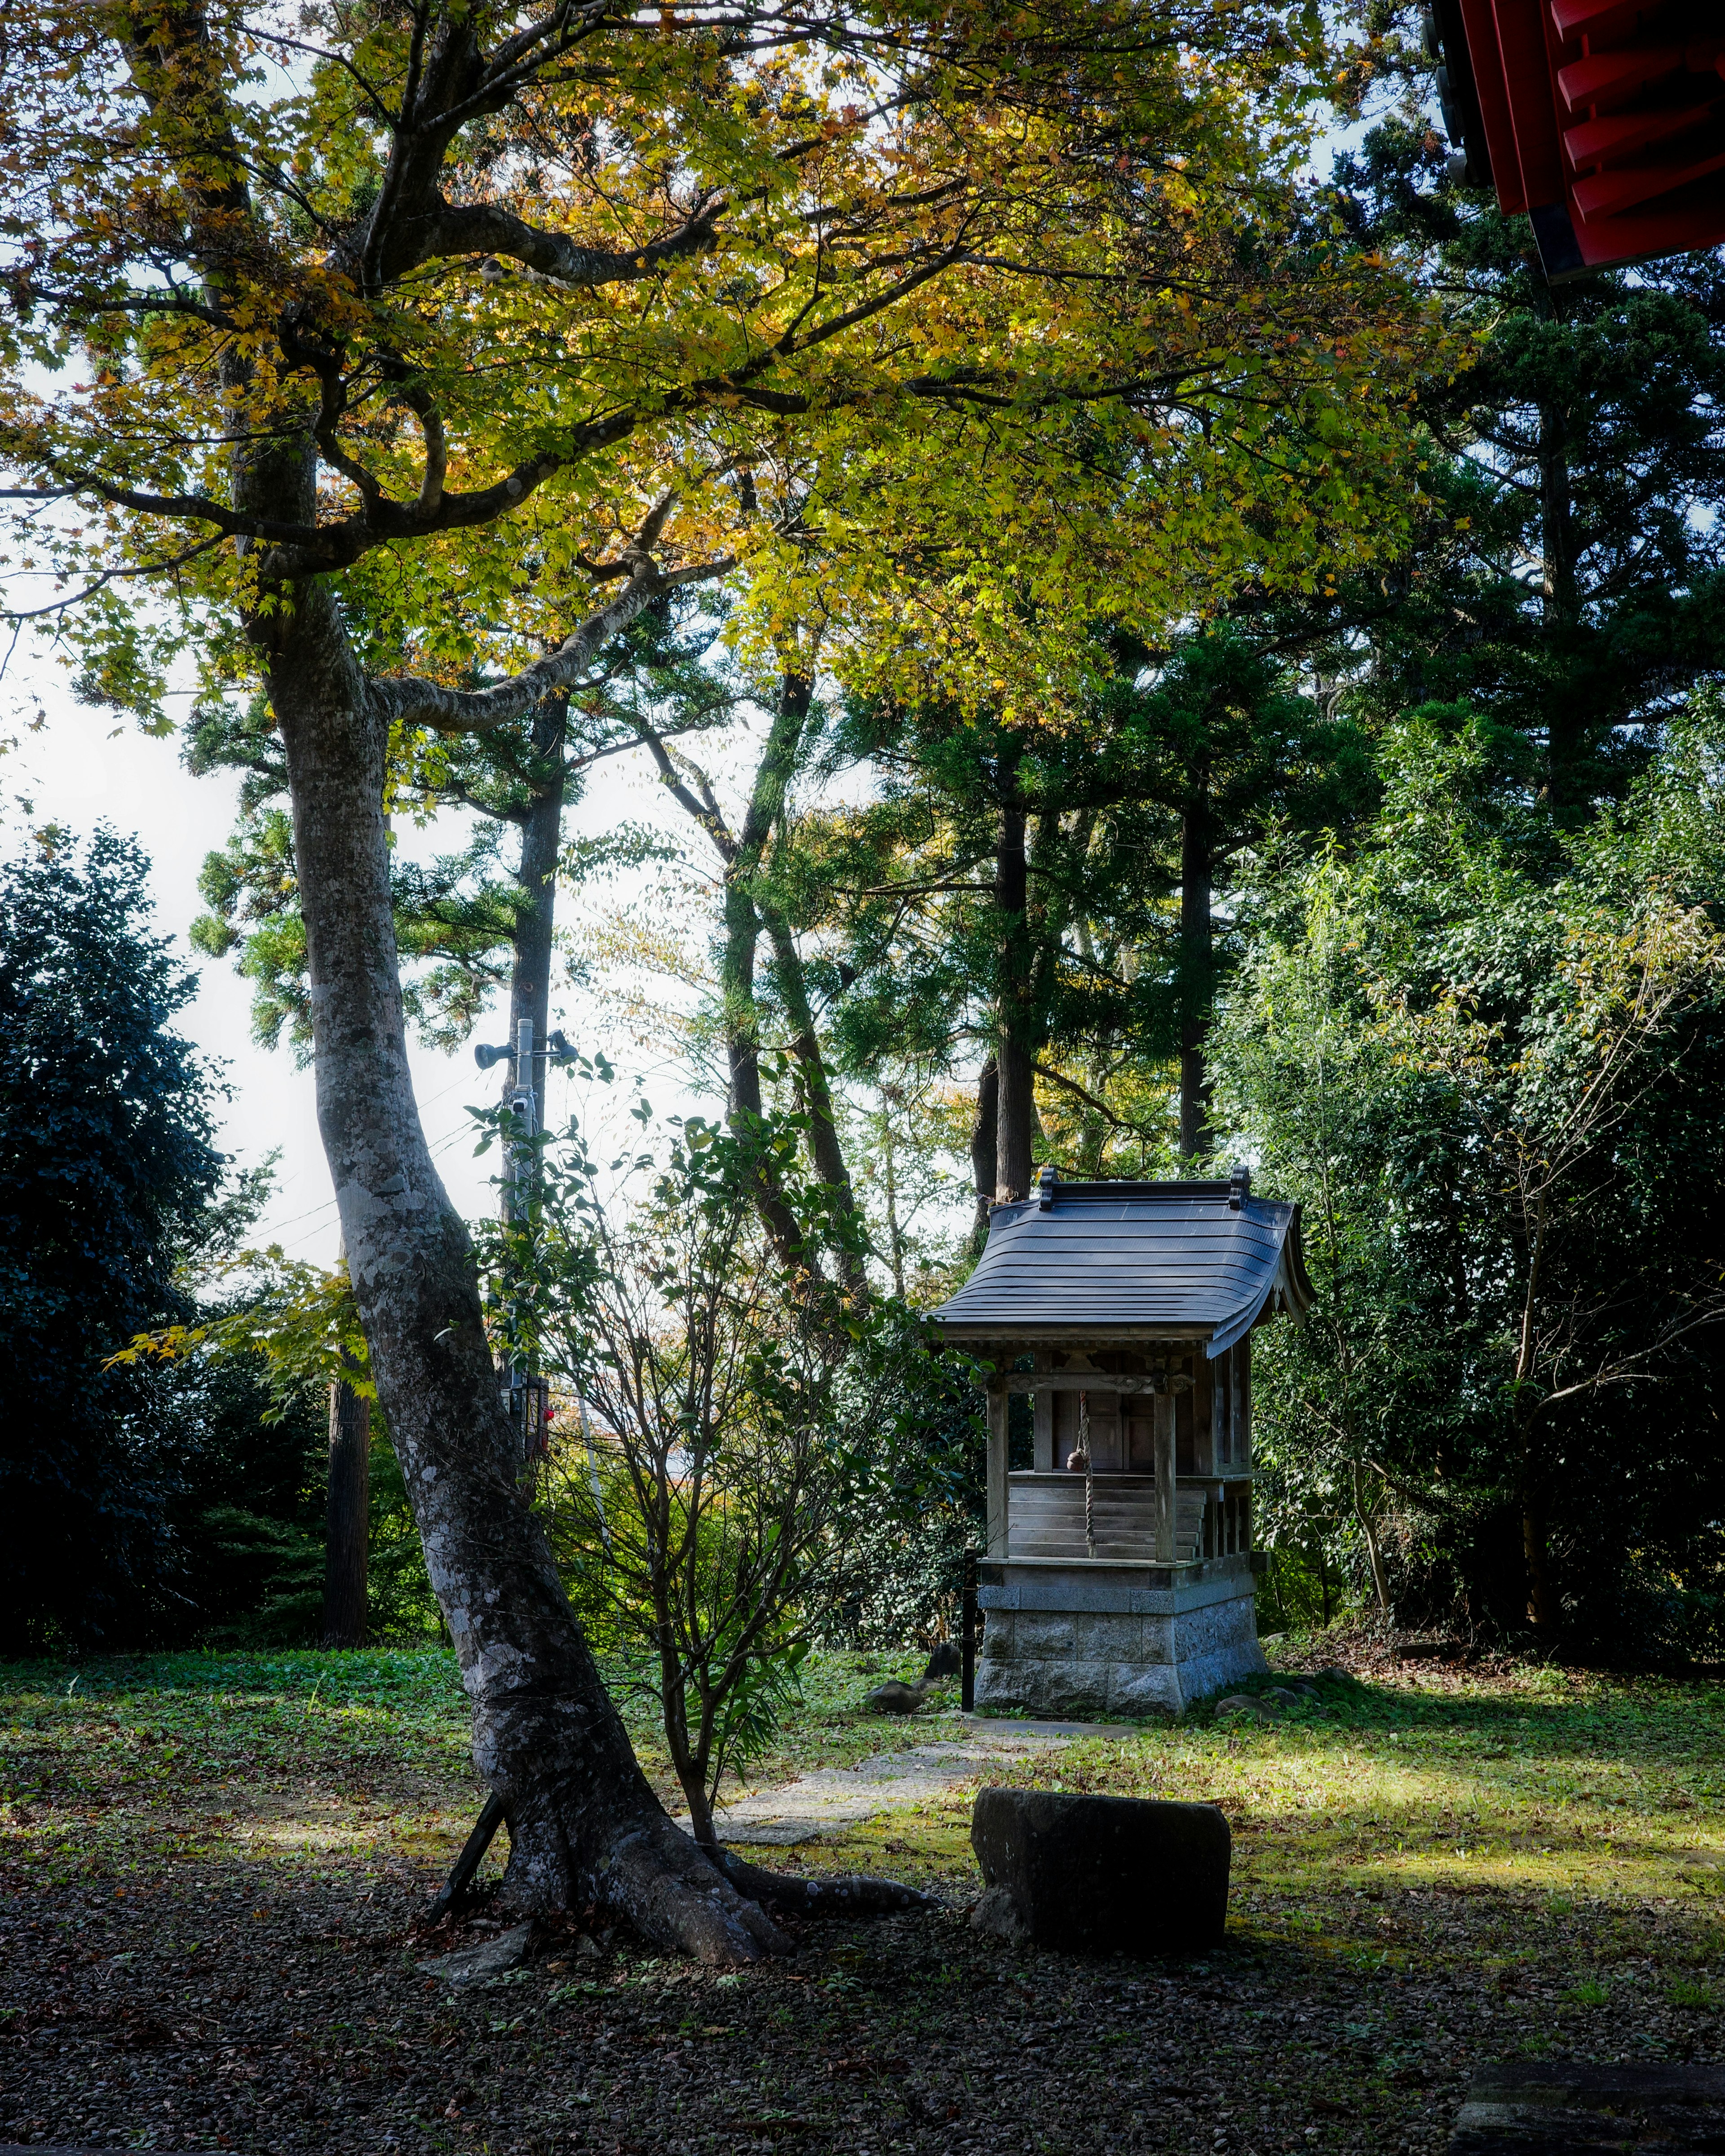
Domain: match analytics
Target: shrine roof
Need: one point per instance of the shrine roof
(1202, 1260)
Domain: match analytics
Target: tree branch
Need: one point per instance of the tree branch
(410, 700)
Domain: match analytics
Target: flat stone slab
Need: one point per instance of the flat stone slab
(1569, 2107)
(494, 1956)
(833, 1798)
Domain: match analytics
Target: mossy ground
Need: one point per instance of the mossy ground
(210, 1867)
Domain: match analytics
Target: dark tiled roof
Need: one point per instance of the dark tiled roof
(1206, 1255)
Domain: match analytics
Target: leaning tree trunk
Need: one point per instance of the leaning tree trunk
(583, 1823)
(825, 1148)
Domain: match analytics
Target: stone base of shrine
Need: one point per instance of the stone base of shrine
(1079, 1640)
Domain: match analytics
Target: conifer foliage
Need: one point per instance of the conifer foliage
(107, 1167)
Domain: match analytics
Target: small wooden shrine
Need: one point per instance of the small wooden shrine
(1120, 1570)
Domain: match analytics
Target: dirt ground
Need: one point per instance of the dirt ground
(211, 1874)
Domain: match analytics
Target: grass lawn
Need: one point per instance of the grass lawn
(210, 1867)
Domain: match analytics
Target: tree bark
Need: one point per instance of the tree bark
(584, 1822)
(1196, 869)
(983, 1138)
(747, 913)
(1542, 1603)
(347, 1519)
(825, 1148)
(742, 936)
(541, 847)
(1015, 1051)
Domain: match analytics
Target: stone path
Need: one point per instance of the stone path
(833, 1798)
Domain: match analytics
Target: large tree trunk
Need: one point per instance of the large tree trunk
(1196, 869)
(584, 1822)
(1015, 1109)
(347, 1519)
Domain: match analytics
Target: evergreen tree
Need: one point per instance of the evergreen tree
(108, 1166)
(1570, 584)
(1057, 902)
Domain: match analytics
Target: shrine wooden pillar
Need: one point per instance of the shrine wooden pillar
(1167, 1478)
(999, 1403)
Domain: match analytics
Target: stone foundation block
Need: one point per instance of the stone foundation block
(1100, 1875)
(1081, 1644)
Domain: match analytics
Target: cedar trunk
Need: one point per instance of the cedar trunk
(1015, 1080)
(984, 1156)
(1197, 952)
(583, 1823)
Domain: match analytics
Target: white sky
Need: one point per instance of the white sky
(85, 767)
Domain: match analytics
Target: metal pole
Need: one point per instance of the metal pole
(967, 1626)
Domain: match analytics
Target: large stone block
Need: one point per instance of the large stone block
(1100, 1875)
(1138, 1689)
(1567, 2106)
(1045, 1632)
(1051, 1686)
(1109, 1636)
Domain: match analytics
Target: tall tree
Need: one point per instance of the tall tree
(107, 1167)
(1046, 898)
(1496, 1090)
(752, 907)
(473, 924)
(1571, 582)
(346, 294)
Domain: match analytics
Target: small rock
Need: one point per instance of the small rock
(997, 1912)
(489, 1957)
(1284, 1696)
(589, 1949)
(1100, 1875)
(896, 1698)
(1242, 1707)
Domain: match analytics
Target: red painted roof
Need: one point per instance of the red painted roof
(1603, 119)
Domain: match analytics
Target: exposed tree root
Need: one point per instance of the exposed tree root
(706, 1902)
(855, 1896)
(660, 1883)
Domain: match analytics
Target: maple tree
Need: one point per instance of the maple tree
(321, 323)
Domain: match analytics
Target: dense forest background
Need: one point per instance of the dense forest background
(1402, 882)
